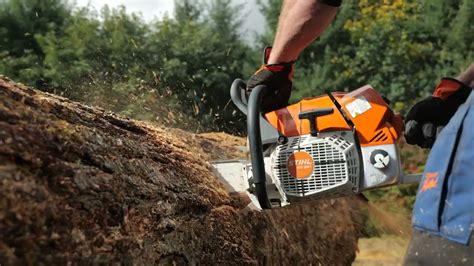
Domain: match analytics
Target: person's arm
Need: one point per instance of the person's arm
(467, 77)
(300, 23)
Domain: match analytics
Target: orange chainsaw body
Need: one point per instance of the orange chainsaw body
(373, 120)
(323, 147)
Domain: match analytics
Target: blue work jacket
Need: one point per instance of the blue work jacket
(445, 201)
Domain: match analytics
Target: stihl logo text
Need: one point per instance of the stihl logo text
(303, 163)
(300, 164)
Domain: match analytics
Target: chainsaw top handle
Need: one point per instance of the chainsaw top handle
(238, 95)
(252, 110)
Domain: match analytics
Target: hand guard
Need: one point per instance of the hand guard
(278, 78)
(425, 118)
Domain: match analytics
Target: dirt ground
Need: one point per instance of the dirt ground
(386, 250)
(79, 184)
(388, 245)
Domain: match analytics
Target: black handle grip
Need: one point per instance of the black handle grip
(252, 110)
(255, 145)
(311, 115)
(237, 94)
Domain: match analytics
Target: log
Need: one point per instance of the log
(82, 185)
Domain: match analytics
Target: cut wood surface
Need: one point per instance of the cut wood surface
(80, 184)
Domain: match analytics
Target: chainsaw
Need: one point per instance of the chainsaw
(334, 145)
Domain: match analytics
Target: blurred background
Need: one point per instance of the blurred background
(172, 62)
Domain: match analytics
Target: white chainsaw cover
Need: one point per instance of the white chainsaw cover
(334, 171)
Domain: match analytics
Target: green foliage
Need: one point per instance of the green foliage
(202, 57)
(116, 60)
(401, 47)
(370, 227)
(20, 22)
(271, 11)
(186, 62)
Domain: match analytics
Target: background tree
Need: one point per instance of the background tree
(174, 70)
(177, 70)
(20, 22)
(400, 47)
(202, 55)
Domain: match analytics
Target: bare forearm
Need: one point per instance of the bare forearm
(467, 77)
(301, 21)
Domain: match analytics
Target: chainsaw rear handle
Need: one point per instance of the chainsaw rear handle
(252, 110)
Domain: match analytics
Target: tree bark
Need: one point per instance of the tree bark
(80, 184)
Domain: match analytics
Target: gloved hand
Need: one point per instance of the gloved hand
(278, 78)
(425, 117)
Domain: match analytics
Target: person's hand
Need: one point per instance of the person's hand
(278, 79)
(425, 117)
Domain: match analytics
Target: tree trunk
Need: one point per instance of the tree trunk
(79, 184)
